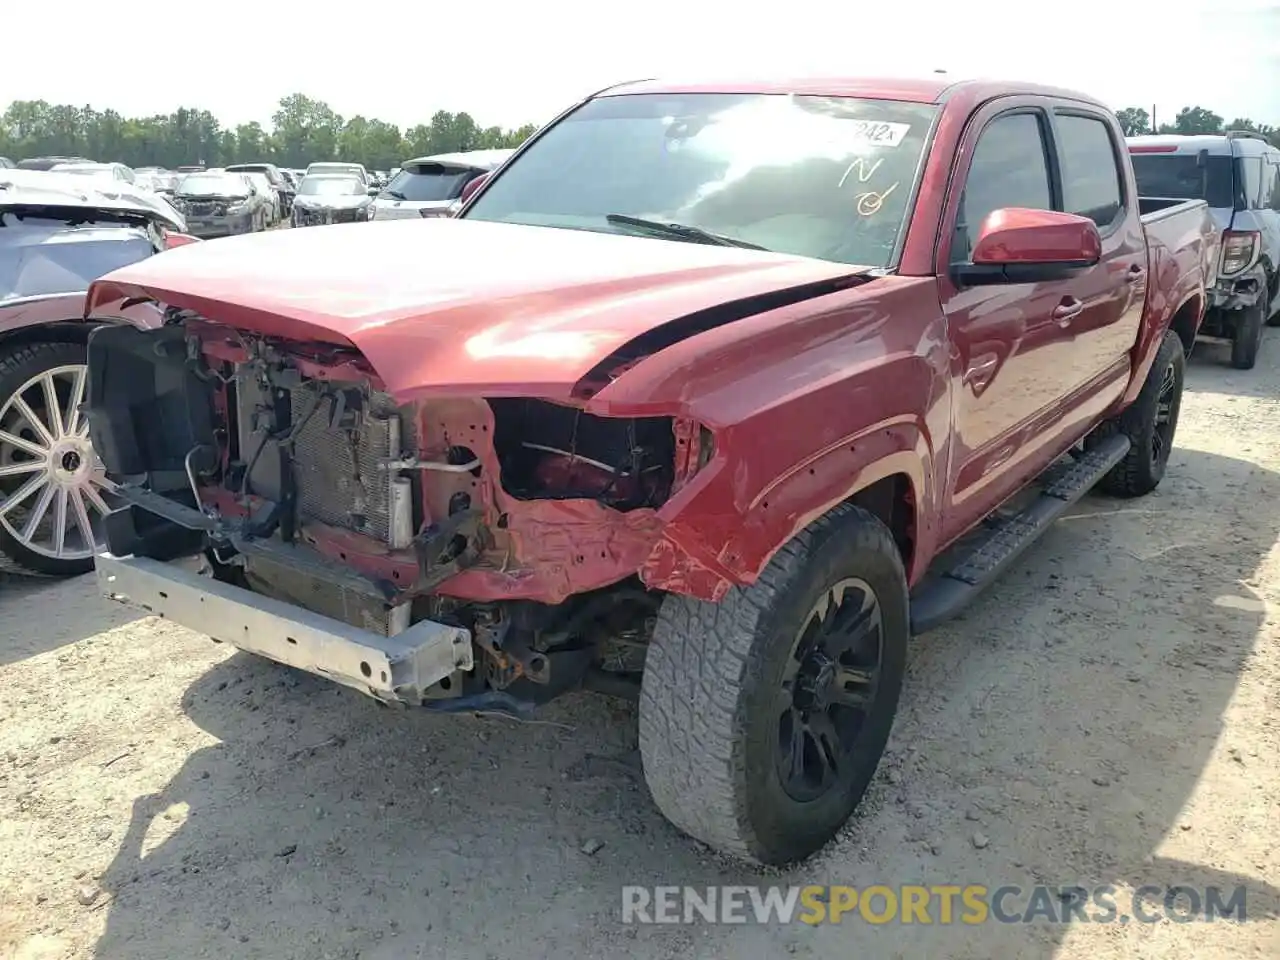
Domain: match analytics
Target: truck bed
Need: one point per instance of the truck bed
(1184, 232)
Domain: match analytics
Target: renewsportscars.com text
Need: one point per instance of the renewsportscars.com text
(938, 903)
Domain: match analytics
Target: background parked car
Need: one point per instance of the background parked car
(220, 204)
(1238, 174)
(331, 198)
(47, 163)
(52, 489)
(6, 163)
(116, 172)
(429, 186)
(339, 167)
(266, 193)
(280, 185)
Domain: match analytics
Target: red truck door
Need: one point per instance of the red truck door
(1100, 338)
(1031, 361)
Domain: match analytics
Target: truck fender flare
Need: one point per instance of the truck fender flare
(792, 501)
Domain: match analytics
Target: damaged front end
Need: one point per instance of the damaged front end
(452, 552)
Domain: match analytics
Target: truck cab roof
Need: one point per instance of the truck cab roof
(931, 88)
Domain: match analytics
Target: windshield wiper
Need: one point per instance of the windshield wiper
(394, 193)
(680, 231)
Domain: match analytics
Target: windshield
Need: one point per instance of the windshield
(330, 187)
(36, 259)
(429, 181)
(1178, 176)
(212, 184)
(824, 177)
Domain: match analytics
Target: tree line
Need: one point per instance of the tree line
(302, 130)
(1136, 121)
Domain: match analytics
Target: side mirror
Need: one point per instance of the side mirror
(1017, 245)
(472, 186)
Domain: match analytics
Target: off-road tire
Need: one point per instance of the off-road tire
(1139, 472)
(705, 740)
(1248, 336)
(17, 366)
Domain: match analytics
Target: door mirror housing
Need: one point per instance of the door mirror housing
(1017, 245)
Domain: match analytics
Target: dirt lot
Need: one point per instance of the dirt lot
(1108, 714)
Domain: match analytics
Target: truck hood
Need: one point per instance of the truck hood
(450, 306)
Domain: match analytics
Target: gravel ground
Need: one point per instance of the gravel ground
(1107, 714)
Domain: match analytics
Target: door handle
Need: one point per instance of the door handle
(1134, 275)
(1067, 310)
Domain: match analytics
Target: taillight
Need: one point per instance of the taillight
(1239, 248)
(172, 238)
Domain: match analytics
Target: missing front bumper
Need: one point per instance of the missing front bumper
(396, 669)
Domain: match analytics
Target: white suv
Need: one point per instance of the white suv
(1238, 173)
(432, 186)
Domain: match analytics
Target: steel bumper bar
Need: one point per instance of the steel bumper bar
(396, 669)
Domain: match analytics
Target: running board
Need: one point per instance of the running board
(940, 598)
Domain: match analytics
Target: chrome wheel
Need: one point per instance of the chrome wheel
(53, 488)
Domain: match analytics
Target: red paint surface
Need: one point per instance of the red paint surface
(962, 395)
(1013, 236)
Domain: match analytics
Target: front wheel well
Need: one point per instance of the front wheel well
(892, 501)
(62, 331)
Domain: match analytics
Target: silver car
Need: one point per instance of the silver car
(432, 186)
(219, 204)
(331, 198)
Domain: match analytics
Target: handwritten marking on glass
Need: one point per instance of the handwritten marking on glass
(868, 204)
(865, 171)
(878, 133)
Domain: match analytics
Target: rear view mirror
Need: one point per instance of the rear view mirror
(472, 186)
(1017, 245)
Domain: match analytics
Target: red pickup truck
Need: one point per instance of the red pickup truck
(712, 393)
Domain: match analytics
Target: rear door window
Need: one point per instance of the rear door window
(1090, 175)
(1251, 178)
(1010, 168)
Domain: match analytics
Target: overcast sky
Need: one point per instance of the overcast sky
(510, 63)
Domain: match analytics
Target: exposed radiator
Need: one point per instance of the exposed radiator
(335, 470)
(337, 475)
(338, 483)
